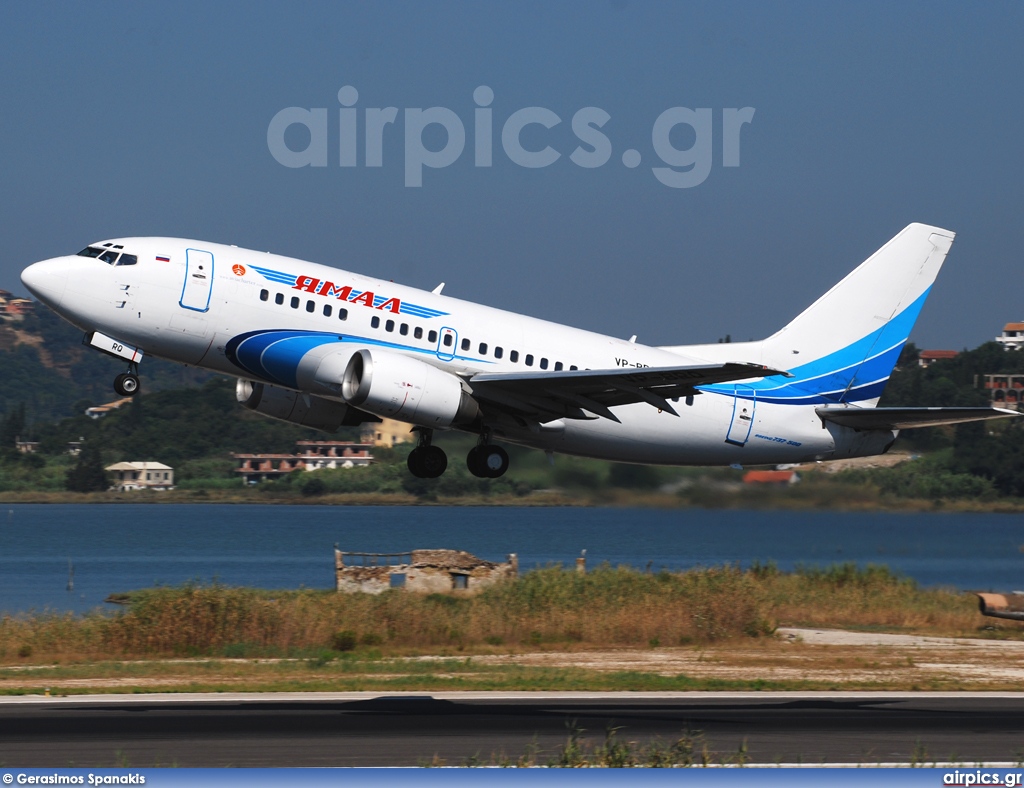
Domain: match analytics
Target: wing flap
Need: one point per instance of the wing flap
(574, 393)
(908, 418)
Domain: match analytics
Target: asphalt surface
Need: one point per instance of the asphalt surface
(373, 730)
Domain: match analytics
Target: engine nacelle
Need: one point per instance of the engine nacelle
(399, 387)
(305, 409)
(322, 369)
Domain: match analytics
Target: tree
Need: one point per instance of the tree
(13, 426)
(88, 474)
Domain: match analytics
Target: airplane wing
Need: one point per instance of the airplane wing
(574, 393)
(908, 418)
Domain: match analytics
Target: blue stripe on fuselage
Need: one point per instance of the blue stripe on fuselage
(273, 355)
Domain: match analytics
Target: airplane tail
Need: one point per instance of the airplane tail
(843, 347)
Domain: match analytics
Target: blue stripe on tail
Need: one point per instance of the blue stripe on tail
(855, 373)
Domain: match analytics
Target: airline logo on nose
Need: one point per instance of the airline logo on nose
(238, 269)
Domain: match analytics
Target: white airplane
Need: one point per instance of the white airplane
(322, 347)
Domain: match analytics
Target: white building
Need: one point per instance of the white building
(141, 476)
(1013, 336)
(311, 456)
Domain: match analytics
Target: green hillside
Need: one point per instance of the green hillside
(48, 369)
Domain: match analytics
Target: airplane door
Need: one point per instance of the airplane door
(742, 416)
(198, 286)
(446, 344)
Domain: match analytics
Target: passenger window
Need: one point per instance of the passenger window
(543, 363)
(389, 326)
(310, 306)
(447, 341)
(573, 368)
(404, 329)
(558, 366)
(295, 302)
(529, 359)
(374, 322)
(483, 348)
(264, 295)
(498, 352)
(327, 310)
(418, 332)
(128, 259)
(432, 337)
(342, 314)
(109, 257)
(90, 251)
(513, 355)
(279, 299)
(465, 344)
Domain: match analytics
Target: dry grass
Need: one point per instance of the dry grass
(552, 609)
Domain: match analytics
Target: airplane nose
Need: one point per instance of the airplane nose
(47, 281)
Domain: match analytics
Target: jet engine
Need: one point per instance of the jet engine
(305, 409)
(399, 387)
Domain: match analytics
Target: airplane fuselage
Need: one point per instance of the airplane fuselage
(193, 302)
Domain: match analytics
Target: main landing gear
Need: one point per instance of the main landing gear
(484, 461)
(427, 461)
(127, 383)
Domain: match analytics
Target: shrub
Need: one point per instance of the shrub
(313, 486)
(345, 640)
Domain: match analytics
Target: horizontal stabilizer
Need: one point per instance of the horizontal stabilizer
(908, 418)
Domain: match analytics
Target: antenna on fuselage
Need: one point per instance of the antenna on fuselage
(437, 290)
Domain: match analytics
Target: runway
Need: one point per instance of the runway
(370, 729)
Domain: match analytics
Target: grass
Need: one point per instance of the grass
(545, 609)
(315, 675)
(612, 629)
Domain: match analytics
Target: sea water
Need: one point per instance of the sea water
(102, 549)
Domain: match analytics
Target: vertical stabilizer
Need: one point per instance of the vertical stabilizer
(843, 347)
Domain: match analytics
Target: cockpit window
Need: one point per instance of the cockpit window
(109, 256)
(90, 251)
(128, 259)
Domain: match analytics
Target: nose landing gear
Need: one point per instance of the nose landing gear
(127, 383)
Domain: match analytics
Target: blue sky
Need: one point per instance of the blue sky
(133, 119)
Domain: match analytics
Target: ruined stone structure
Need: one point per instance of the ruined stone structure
(421, 571)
